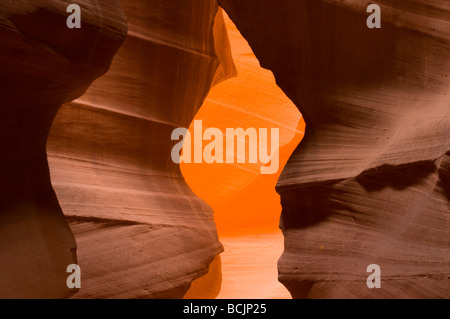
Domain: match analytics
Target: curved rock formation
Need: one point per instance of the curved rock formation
(141, 232)
(250, 100)
(43, 64)
(369, 183)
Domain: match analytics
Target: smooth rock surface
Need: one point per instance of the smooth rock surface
(369, 183)
(141, 232)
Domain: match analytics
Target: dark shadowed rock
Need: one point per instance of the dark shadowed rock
(43, 64)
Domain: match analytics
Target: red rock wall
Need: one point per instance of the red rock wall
(368, 184)
(42, 65)
(141, 232)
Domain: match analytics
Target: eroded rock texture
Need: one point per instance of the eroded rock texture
(141, 232)
(369, 183)
(43, 64)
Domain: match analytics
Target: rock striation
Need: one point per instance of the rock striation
(369, 183)
(140, 230)
(43, 64)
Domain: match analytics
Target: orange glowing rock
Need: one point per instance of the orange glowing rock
(243, 199)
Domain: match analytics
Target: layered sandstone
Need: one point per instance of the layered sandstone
(369, 183)
(140, 230)
(43, 64)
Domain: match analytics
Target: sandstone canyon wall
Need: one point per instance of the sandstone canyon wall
(141, 232)
(369, 184)
(42, 65)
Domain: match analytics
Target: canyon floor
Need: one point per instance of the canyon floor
(249, 267)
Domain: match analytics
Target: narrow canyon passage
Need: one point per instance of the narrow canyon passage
(245, 203)
(90, 177)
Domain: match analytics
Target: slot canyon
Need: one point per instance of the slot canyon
(246, 207)
(86, 174)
